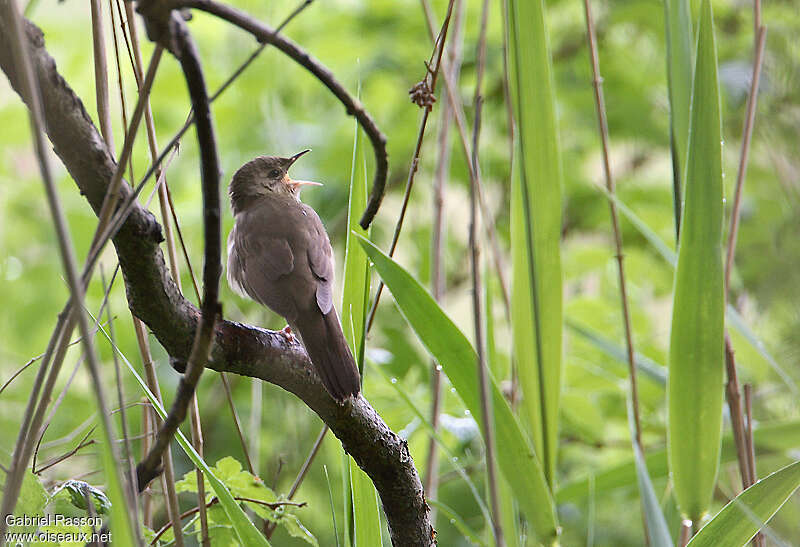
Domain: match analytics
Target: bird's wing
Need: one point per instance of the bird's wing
(263, 261)
(320, 258)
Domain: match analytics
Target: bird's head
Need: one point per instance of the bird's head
(266, 176)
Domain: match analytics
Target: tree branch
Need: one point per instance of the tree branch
(241, 349)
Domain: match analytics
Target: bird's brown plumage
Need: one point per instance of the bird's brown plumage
(279, 255)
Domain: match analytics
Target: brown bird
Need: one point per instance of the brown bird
(280, 256)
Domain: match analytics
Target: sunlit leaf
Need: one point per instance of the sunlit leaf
(451, 349)
(744, 515)
(536, 311)
(694, 387)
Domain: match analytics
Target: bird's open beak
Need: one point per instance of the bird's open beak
(297, 156)
(297, 183)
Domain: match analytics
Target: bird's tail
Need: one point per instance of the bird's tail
(324, 341)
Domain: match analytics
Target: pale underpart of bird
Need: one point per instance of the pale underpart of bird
(279, 255)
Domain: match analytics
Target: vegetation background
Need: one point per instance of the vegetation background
(276, 107)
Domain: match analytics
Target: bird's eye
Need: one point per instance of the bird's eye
(274, 174)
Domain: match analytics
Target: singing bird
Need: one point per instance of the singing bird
(279, 255)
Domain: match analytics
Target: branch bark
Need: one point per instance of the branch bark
(241, 349)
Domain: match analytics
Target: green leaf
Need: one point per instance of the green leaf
(678, 22)
(745, 514)
(536, 311)
(694, 387)
(246, 531)
(366, 512)
(451, 349)
(31, 502)
(78, 492)
(655, 522)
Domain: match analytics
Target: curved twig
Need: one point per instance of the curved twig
(152, 11)
(187, 55)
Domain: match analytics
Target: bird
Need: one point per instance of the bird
(279, 255)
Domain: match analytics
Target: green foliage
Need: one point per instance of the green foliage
(366, 515)
(742, 517)
(646, 54)
(536, 312)
(80, 493)
(696, 360)
(252, 493)
(450, 348)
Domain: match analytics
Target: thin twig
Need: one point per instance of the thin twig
(461, 125)
(85, 441)
(600, 106)
(487, 411)
(758, 539)
(438, 50)
(130, 468)
(732, 390)
(270, 528)
(438, 277)
(749, 120)
(101, 74)
(685, 533)
(165, 207)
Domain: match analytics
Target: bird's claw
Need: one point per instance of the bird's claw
(287, 333)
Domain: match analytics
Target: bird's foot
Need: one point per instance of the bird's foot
(287, 333)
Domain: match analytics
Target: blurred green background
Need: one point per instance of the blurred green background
(276, 107)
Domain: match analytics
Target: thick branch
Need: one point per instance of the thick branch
(237, 348)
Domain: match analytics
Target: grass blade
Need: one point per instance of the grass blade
(694, 386)
(451, 349)
(366, 512)
(770, 438)
(744, 515)
(536, 229)
(655, 522)
(678, 22)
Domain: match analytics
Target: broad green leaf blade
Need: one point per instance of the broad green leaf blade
(366, 515)
(367, 520)
(246, 531)
(678, 22)
(451, 349)
(694, 386)
(536, 313)
(743, 516)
